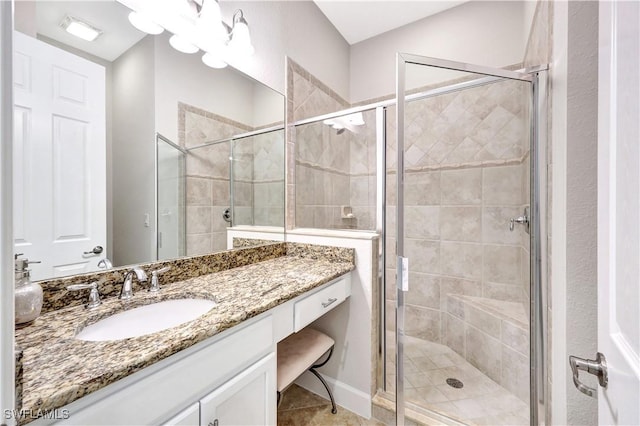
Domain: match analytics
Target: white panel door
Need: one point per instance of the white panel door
(59, 158)
(619, 211)
(247, 399)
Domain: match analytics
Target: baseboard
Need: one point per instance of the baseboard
(346, 396)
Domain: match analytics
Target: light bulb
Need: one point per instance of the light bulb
(240, 37)
(213, 61)
(144, 24)
(209, 24)
(182, 45)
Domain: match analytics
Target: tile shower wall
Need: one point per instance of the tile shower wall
(259, 161)
(466, 159)
(334, 171)
(258, 180)
(208, 177)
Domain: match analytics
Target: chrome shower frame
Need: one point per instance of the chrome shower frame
(161, 138)
(538, 79)
(538, 312)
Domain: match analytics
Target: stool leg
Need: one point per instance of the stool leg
(279, 400)
(334, 410)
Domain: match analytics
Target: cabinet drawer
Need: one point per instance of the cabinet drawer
(317, 304)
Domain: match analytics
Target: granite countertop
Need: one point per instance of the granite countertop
(58, 369)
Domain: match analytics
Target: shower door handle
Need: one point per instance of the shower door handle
(403, 273)
(597, 367)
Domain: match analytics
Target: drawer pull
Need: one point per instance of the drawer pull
(329, 302)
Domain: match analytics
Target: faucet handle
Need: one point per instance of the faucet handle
(94, 295)
(155, 282)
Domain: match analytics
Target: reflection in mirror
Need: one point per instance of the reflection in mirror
(127, 144)
(170, 190)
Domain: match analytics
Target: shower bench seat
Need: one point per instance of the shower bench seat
(493, 336)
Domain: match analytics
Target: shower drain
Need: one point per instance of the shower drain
(455, 383)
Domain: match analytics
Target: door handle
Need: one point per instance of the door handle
(95, 250)
(597, 367)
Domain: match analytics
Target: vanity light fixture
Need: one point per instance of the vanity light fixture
(197, 24)
(80, 28)
(350, 122)
(144, 24)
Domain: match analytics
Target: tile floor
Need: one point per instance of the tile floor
(481, 401)
(300, 407)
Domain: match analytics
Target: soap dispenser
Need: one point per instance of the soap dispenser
(28, 295)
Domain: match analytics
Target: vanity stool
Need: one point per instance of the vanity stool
(298, 353)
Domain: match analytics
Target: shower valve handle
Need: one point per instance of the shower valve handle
(522, 220)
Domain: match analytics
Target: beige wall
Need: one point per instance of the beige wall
(484, 32)
(133, 155)
(573, 200)
(296, 29)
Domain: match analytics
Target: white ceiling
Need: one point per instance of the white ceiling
(111, 17)
(356, 20)
(362, 19)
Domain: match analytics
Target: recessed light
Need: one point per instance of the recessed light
(80, 28)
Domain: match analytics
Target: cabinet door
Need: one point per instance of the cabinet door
(187, 417)
(247, 399)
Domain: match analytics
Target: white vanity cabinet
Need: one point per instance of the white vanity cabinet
(229, 379)
(246, 399)
(160, 391)
(188, 417)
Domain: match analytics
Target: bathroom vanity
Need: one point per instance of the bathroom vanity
(217, 369)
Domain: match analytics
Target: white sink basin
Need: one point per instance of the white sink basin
(146, 319)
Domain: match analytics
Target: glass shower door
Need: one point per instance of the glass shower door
(170, 199)
(462, 276)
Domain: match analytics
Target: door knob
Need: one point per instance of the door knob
(95, 250)
(597, 367)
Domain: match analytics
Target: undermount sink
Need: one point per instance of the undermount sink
(146, 319)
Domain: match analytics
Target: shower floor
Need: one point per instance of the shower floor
(481, 401)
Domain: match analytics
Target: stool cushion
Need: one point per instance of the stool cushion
(298, 352)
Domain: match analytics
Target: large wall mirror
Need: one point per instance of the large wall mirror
(129, 150)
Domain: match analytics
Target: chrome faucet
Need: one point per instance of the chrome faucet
(127, 284)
